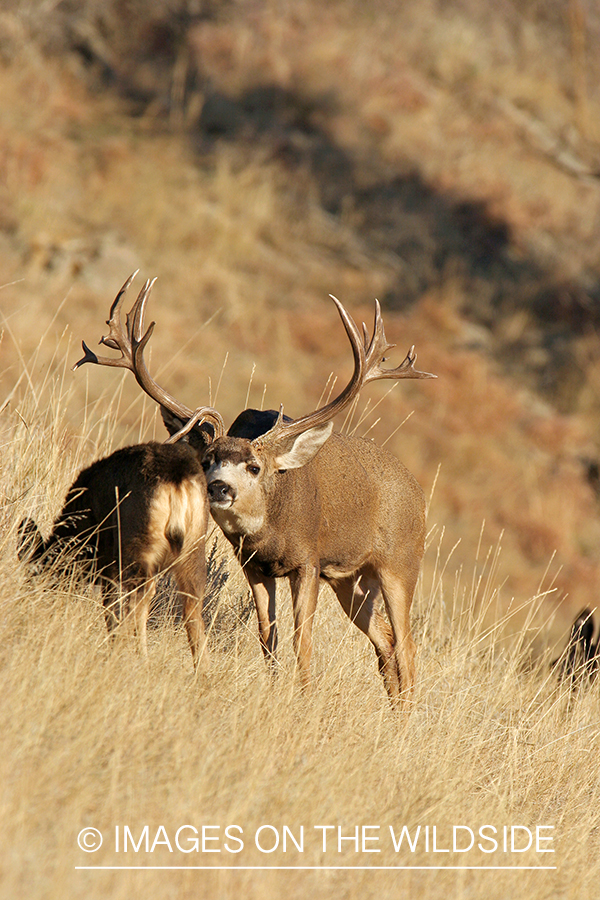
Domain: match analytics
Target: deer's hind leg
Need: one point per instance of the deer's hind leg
(140, 598)
(127, 603)
(190, 574)
(111, 601)
(358, 597)
(398, 591)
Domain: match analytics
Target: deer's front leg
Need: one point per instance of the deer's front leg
(263, 592)
(304, 583)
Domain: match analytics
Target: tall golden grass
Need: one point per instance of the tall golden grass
(91, 736)
(94, 737)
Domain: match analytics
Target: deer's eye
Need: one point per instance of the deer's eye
(206, 464)
(254, 470)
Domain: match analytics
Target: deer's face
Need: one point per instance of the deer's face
(235, 478)
(243, 476)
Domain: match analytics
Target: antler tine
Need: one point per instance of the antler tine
(116, 339)
(131, 342)
(378, 347)
(369, 353)
(122, 362)
(91, 357)
(135, 316)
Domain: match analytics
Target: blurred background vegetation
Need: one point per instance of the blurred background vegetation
(442, 155)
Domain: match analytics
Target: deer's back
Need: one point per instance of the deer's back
(371, 505)
(133, 505)
(354, 504)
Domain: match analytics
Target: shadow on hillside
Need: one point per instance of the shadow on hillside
(433, 234)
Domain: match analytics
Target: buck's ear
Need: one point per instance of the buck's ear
(304, 448)
(172, 423)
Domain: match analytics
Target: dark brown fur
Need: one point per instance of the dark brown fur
(580, 659)
(126, 518)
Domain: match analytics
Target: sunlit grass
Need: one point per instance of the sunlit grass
(93, 736)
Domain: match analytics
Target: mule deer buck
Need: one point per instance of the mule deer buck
(138, 512)
(301, 502)
(297, 501)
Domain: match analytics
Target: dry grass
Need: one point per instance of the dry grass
(92, 736)
(246, 252)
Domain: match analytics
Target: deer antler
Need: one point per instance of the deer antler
(131, 342)
(375, 349)
(368, 355)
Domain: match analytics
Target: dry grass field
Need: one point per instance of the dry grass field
(442, 156)
(92, 737)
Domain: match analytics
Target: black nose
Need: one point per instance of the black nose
(220, 490)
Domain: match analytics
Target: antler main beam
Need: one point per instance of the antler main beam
(369, 354)
(131, 342)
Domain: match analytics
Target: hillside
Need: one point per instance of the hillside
(258, 156)
(443, 156)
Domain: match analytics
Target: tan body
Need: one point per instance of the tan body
(353, 516)
(127, 518)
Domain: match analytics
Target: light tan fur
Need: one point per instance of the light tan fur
(352, 516)
(174, 510)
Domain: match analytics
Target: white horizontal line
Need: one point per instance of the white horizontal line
(323, 868)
